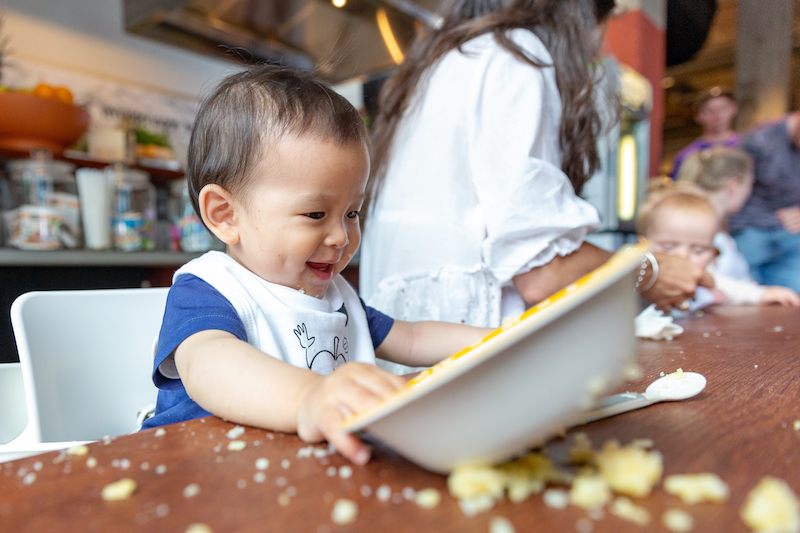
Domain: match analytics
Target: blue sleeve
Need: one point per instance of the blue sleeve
(192, 306)
(379, 324)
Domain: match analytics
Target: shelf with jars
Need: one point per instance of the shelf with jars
(67, 211)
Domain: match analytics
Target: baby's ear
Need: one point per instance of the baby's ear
(217, 211)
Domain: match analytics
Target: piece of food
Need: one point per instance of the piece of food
(677, 520)
(119, 490)
(471, 481)
(629, 470)
(589, 491)
(772, 507)
(344, 512)
(428, 498)
(623, 508)
(696, 488)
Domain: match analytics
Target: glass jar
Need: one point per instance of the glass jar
(188, 233)
(43, 211)
(133, 213)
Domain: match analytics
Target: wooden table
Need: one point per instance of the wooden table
(740, 427)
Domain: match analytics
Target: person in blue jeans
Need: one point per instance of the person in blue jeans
(767, 228)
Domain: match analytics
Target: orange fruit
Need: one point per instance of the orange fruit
(63, 94)
(44, 90)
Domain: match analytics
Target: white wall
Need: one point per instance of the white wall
(87, 36)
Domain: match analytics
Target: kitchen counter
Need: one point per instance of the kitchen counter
(57, 258)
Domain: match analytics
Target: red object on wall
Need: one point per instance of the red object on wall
(636, 41)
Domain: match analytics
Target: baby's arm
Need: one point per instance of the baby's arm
(427, 343)
(780, 295)
(237, 382)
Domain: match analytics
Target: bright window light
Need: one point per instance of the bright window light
(626, 205)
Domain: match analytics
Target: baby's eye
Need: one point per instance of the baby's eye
(700, 250)
(315, 215)
(353, 214)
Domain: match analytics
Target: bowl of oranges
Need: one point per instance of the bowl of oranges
(44, 117)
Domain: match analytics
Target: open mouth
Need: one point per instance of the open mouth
(322, 270)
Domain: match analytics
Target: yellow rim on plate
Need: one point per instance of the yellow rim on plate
(620, 264)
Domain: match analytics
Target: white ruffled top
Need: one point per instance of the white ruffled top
(474, 193)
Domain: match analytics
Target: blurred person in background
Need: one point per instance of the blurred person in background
(767, 228)
(485, 136)
(716, 110)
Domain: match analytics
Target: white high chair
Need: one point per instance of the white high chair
(86, 358)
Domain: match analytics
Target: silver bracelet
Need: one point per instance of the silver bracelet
(647, 256)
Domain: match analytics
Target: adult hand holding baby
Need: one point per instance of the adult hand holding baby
(677, 281)
(327, 400)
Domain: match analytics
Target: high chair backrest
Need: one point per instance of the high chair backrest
(86, 358)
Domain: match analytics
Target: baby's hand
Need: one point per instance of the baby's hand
(328, 400)
(780, 295)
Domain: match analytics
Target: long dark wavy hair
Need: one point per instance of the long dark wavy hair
(568, 30)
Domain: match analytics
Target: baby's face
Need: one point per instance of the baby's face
(299, 223)
(687, 233)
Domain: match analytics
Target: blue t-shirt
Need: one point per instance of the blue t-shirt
(194, 306)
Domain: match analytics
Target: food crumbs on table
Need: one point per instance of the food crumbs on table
(236, 445)
(470, 481)
(677, 520)
(119, 490)
(91, 462)
(344, 512)
(428, 498)
(500, 524)
(29, 479)
(797, 425)
(160, 469)
(330, 471)
(262, 463)
(241, 484)
(199, 528)
(696, 488)
(77, 450)
(366, 491)
(772, 506)
(160, 432)
(556, 498)
(285, 464)
(145, 465)
(345, 472)
(472, 506)
(281, 481)
(589, 491)
(629, 470)
(284, 499)
(235, 432)
(259, 477)
(623, 508)
(409, 493)
(191, 490)
(383, 493)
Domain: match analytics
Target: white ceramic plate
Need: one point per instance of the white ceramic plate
(520, 385)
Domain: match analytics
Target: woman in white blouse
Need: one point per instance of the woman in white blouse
(485, 134)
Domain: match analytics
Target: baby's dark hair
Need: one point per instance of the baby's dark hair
(254, 109)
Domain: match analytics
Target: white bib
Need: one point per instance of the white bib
(315, 333)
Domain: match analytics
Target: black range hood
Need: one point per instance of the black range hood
(361, 37)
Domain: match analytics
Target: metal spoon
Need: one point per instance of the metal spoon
(666, 388)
